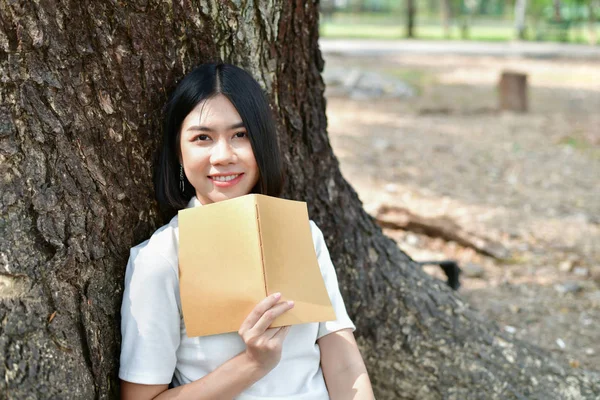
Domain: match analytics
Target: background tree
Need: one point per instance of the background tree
(327, 9)
(446, 9)
(411, 11)
(467, 8)
(520, 18)
(557, 4)
(592, 5)
(83, 83)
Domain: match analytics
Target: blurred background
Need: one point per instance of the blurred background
(571, 21)
(471, 130)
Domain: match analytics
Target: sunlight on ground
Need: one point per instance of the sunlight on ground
(528, 181)
(486, 70)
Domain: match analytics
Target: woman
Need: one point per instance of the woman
(220, 143)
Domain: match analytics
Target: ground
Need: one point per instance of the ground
(529, 181)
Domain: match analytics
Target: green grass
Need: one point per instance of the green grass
(361, 31)
(481, 33)
(391, 27)
(391, 32)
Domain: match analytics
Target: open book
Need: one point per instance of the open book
(234, 253)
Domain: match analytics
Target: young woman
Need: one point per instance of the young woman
(219, 143)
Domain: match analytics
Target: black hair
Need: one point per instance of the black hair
(246, 95)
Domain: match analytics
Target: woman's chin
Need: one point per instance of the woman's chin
(225, 196)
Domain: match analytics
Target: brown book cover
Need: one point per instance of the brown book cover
(234, 253)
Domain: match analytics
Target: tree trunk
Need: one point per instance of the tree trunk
(446, 17)
(557, 5)
(83, 83)
(521, 18)
(467, 14)
(411, 10)
(593, 36)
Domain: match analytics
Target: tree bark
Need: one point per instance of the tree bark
(83, 83)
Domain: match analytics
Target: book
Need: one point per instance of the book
(234, 253)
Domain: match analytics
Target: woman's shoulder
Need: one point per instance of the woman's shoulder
(162, 247)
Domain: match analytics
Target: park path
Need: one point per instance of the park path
(465, 48)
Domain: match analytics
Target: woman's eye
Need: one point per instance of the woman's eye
(240, 134)
(202, 137)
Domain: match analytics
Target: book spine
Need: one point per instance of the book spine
(262, 252)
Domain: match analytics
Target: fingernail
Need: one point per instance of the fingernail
(277, 295)
(291, 303)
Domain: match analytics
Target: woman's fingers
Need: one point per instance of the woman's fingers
(276, 333)
(263, 345)
(269, 316)
(282, 333)
(271, 332)
(258, 311)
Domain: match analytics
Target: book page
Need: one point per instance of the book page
(291, 265)
(220, 267)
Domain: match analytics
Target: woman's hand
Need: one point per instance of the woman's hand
(263, 352)
(263, 345)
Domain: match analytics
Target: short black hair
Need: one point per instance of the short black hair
(250, 101)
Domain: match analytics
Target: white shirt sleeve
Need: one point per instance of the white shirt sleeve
(343, 321)
(150, 319)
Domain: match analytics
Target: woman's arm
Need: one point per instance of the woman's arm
(226, 382)
(262, 354)
(343, 367)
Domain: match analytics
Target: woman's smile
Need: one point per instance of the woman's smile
(224, 181)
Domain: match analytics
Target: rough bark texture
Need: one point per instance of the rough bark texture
(83, 82)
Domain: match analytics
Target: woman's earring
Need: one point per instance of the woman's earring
(181, 181)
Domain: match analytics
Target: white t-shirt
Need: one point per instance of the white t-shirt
(156, 350)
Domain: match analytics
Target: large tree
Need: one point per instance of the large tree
(83, 82)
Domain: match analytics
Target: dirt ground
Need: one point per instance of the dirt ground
(529, 181)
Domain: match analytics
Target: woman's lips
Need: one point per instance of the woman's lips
(226, 183)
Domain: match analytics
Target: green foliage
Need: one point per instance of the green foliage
(473, 19)
(502, 9)
(424, 31)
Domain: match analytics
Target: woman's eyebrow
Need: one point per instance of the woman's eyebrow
(208, 129)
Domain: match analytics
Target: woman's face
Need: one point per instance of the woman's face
(216, 154)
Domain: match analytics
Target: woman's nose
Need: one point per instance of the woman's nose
(223, 153)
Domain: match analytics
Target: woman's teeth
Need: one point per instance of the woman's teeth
(225, 178)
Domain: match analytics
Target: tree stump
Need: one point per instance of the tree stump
(512, 90)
